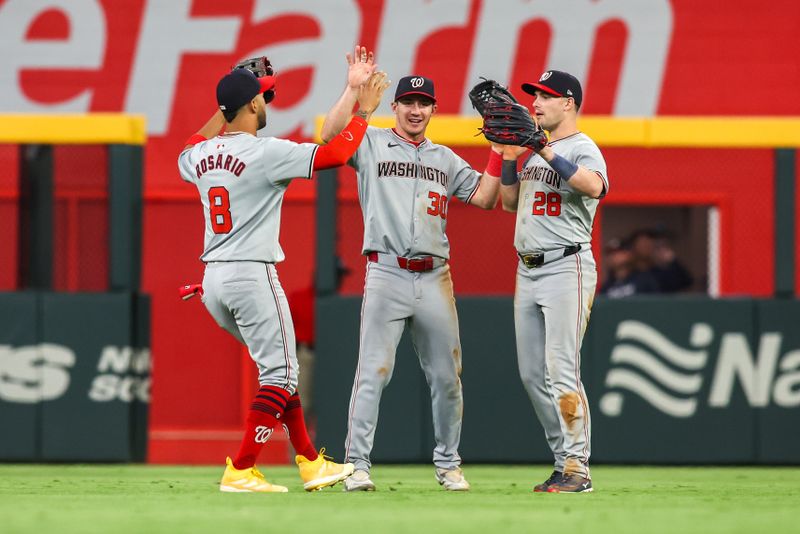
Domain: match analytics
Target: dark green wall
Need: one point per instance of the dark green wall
(74, 376)
(745, 352)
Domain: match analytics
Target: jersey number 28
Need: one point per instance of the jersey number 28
(219, 207)
(546, 204)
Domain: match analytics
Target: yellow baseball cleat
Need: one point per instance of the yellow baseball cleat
(248, 480)
(322, 472)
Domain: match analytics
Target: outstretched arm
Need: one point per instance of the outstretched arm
(360, 67)
(209, 130)
(489, 185)
(345, 143)
(580, 178)
(509, 190)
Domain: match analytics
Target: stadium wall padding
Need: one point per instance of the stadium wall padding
(74, 376)
(679, 380)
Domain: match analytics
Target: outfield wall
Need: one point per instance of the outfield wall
(75, 372)
(162, 59)
(669, 380)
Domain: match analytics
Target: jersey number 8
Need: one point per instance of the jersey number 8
(546, 204)
(219, 208)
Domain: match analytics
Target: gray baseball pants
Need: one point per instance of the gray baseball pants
(551, 311)
(246, 299)
(394, 298)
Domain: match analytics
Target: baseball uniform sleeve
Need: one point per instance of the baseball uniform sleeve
(363, 148)
(186, 165)
(285, 159)
(465, 179)
(590, 157)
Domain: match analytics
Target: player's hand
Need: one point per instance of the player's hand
(540, 146)
(369, 96)
(509, 152)
(360, 67)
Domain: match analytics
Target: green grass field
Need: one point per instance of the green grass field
(121, 499)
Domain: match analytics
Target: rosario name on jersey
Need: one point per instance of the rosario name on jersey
(404, 189)
(550, 214)
(241, 179)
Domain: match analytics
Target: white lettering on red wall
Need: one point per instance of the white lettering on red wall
(83, 49)
(573, 26)
(168, 32)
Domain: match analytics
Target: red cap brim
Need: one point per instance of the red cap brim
(267, 83)
(531, 88)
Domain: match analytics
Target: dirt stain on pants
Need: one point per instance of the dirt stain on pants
(569, 405)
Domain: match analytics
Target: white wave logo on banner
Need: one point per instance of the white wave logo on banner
(665, 375)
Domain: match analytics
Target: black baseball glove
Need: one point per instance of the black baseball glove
(260, 66)
(511, 124)
(489, 91)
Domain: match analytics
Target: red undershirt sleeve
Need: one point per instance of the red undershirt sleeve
(341, 147)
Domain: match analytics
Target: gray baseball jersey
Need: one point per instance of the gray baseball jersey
(404, 189)
(552, 302)
(241, 179)
(550, 214)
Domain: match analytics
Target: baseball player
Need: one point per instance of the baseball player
(241, 179)
(555, 197)
(405, 183)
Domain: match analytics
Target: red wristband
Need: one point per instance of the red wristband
(495, 165)
(196, 138)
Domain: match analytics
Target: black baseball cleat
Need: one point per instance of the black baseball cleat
(556, 476)
(572, 483)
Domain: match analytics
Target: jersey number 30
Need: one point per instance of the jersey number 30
(219, 207)
(438, 205)
(546, 204)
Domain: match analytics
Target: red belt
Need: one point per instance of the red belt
(416, 265)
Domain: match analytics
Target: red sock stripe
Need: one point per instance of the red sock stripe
(294, 421)
(275, 390)
(293, 403)
(270, 399)
(267, 396)
(267, 407)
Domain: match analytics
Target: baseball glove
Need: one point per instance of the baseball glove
(260, 66)
(489, 91)
(511, 124)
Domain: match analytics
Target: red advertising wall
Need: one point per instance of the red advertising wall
(645, 58)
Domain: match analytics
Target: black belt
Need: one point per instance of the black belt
(538, 258)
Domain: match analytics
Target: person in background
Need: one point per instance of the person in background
(672, 276)
(653, 254)
(623, 280)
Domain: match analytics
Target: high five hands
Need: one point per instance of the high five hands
(370, 93)
(361, 65)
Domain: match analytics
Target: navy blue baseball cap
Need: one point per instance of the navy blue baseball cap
(239, 87)
(414, 85)
(557, 83)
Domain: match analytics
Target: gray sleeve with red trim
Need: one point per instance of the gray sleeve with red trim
(588, 155)
(465, 179)
(284, 159)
